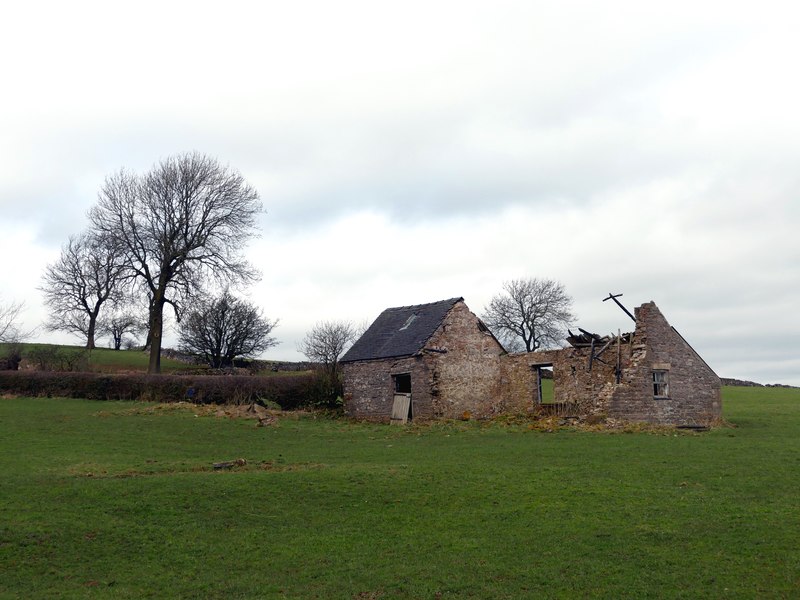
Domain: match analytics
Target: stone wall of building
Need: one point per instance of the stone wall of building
(369, 387)
(519, 384)
(694, 389)
(586, 389)
(465, 367)
(457, 372)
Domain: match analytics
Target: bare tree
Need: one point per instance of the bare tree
(11, 335)
(86, 276)
(327, 341)
(10, 331)
(224, 329)
(118, 325)
(181, 223)
(530, 314)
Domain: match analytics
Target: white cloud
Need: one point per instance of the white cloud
(412, 153)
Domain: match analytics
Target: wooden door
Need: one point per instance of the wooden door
(400, 408)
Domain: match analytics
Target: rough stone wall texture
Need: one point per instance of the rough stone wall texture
(457, 371)
(694, 389)
(518, 382)
(369, 387)
(465, 378)
(573, 382)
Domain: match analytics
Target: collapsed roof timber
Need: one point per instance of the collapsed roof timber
(439, 361)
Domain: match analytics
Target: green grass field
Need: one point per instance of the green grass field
(119, 500)
(107, 360)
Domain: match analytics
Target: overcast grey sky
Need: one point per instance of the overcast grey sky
(408, 152)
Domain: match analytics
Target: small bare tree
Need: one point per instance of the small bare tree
(225, 328)
(10, 331)
(530, 314)
(11, 335)
(183, 222)
(87, 275)
(327, 341)
(119, 325)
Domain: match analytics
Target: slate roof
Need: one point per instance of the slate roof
(400, 331)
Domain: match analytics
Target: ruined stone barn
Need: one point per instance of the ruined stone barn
(649, 375)
(428, 361)
(439, 361)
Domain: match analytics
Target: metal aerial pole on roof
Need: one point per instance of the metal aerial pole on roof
(614, 298)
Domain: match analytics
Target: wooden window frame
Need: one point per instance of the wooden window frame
(660, 383)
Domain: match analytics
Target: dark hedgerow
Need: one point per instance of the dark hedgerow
(288, 392)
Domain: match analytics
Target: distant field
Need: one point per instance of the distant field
(120, 500)
(107, 360)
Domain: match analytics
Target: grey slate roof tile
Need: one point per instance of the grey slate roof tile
(400, 331)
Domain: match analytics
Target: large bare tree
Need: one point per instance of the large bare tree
(87, 275)
(326, 342)
(225, 328)
(183, 222)
(530, 314)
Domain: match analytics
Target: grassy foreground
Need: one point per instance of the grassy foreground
(119, 500)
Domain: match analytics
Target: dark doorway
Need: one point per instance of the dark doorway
(402, 383)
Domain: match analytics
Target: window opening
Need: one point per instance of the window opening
(661, 384)
(402, 383)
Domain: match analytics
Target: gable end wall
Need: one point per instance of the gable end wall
(694, 389)
(465, 367)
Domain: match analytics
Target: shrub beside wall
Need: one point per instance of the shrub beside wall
(288, 392)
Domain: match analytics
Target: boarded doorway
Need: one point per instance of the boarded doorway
(402, 408)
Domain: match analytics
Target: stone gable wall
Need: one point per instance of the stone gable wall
(465, 377)
(694, 389)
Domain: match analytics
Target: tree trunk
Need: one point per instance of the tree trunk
(148, 340)
(156, 329)
(90, 333)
